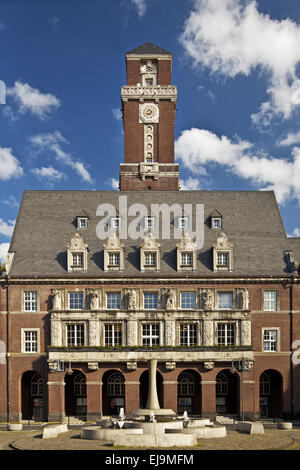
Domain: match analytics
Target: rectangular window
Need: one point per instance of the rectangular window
(113, 335)
(150, 335)
(270, 340)
(82, 223)
(188, 334)
(75, 300)
(226, 334)
(187, 300)
(150, 300)
(149, 222)
(77, 259)
(113, 300)
(114, 259)
(30, 341)
(115, 222)
(224, 300)
(216, 223)
(75, 335)
(150, 258)
(187, 259)
(182, 222)
(30, 301)
(270, 300)
(223, 259)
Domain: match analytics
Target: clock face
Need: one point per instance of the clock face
(149, 112)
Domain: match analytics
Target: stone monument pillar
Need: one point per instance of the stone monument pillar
(152, 403)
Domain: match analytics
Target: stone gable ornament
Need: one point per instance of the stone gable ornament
(77, 243)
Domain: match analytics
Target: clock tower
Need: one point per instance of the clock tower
(149, 108)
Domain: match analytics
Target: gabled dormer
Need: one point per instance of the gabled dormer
(82, 220)
(216, 220)
(77, 254)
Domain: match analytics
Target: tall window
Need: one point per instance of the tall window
(30, 341)
(79, 385)
(75, 335)
(223, 259)
(113, 300)
(187, 300)
(150, 258)
(150, 300)
(37, 386)
(114, 259)
(186, 259)
(116, 385)
(224, 300)
(75, 300)
(113, 335)
(30, 301)
(186, 385)
(150, 335)
(270, 340)
(188, 334)
(226, 334)
(270, 300)
(222, 384)
(77, 259)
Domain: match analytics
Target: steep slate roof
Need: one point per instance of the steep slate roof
(46, 223)
(149, 49)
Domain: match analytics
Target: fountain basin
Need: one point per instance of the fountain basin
(102, 434)
(157, 440)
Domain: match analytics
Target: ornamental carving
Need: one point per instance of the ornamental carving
(209, 365)
(55, 333)
(208, 333)
(149, 113)
(246, 332)
(77, 243)
(244, 299)
(94, 300)
(132, 336)
(56, 299)
(93, 333)
(131, 299)
(93, 365)
(170, 365)
(131, 365)
(170, 299)
(170, 333)
(207, 297)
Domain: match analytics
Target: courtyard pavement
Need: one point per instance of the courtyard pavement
(31, 439)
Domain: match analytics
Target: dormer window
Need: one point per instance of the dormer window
(150, 254)
(183, 222)
(216, 220)
(113, 254)
(116, 222)
(77, 254)
(222, 254)
(82, 222)
(186, 254)
(149, 222)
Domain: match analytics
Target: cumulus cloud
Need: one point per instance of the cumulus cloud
(292, 138)
(9, 165)
(7, 228)
(53, 142)
(49, 173)
(231, 38)
(189, 184)
(3, 251)
(113, 183)
(295, 233)
(11, 201)
(117, 113)
(140, 6)
(32, 100)
(197, 148)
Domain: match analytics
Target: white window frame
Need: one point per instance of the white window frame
(226, 335)
(75, 259)
(81, 219)
(75, 325)
(150, 256)
(265, 301)
(181, 298)
(116, 222)
(114, 256)
(271, 341)
(69, 300)
(157, 303)
(30, 301)
(24, 341)
(106, 300)
(188, 255)
(151, 336)
(112, 326)
(219, 223)
(219, 293)
(183, 223)
(190, 334)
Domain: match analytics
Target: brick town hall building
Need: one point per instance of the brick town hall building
(81, 315)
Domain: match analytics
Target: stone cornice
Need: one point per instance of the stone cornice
(166, 92)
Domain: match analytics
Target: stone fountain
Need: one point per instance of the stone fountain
(153, 426)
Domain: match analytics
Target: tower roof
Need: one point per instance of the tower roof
(149, 49)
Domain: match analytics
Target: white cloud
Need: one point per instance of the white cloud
(140, 6)
(49, 173)
(190, 184)
(196, 148)
(231, 38)
(9, 165)
(31, 99)
(295, 233)
(7, 228)
(114, 183)
(3, 251)
(11, 201)
(291, 139)
(117, 113)
(53, 142)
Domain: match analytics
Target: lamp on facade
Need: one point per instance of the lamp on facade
(69, 370)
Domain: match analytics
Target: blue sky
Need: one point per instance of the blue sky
(236, 65)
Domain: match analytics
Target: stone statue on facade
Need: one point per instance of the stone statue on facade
(208, 299)
(94, 300)
(131, 299)
(56, 299)
(170, 299)
(245, 299)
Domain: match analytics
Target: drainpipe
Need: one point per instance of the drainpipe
(7, 353)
